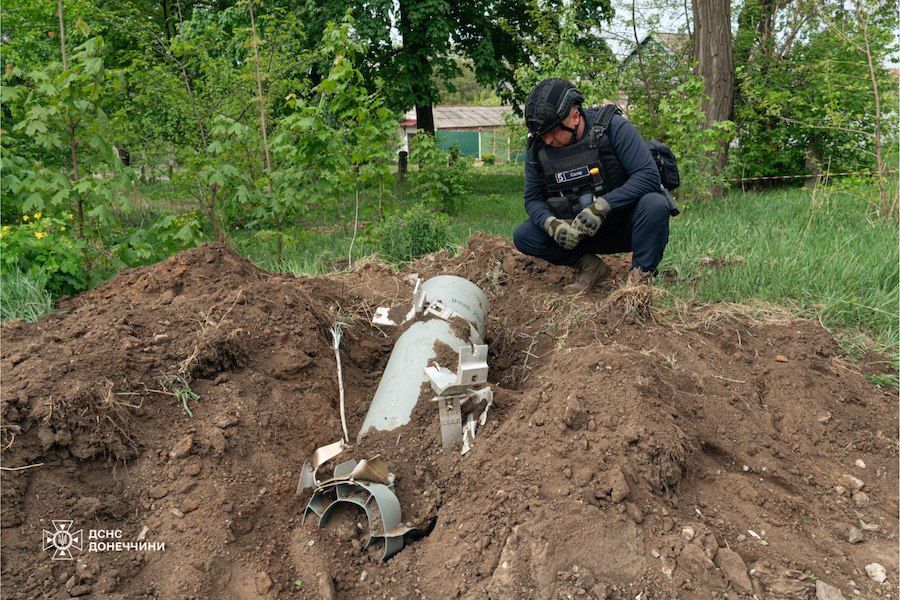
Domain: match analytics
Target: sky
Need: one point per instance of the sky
(620, 33)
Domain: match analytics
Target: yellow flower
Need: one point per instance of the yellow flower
(63, 228)
(69, 216)
(40, 234)
(24, 217)
(37, 215)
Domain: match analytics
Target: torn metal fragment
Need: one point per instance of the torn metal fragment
(382, 316)
(319, 457)
(374, 470)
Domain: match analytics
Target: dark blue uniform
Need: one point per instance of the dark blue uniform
(638, 222)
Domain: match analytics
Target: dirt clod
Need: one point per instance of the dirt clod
(732, 565)
(182, 447)
(263, 583)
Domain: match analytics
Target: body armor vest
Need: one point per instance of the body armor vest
(582, 170)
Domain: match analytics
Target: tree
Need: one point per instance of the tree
(810, 79)
(713, 54)
(567, 44)
(433, 34)
(466, 89)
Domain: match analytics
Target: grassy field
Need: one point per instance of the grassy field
(823, 254)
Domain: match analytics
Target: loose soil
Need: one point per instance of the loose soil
(630, 453)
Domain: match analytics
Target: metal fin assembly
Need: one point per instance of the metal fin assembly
(377, 500)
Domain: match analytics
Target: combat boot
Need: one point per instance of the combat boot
(638, 276)
(591, 271)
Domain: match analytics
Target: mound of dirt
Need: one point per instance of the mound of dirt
(628, 454)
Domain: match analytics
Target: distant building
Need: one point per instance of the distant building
(674, 45)
(474, 130)
(661, 50)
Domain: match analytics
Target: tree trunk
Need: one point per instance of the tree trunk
(425, 118)
(402, 164)
(419, 67)
(713, 53)
(167, 20)
(812, 167)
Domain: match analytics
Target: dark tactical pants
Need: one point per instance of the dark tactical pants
(642, 230)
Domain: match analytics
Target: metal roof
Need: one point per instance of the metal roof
(462, 117)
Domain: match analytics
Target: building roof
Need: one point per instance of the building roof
(674, 42)
(462, 117)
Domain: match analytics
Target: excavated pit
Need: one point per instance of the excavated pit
(611, 437)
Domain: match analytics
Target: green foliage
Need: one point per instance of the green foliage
(518, 136)
(47, 249)
(812, 98)
(210, 86)
(167, 235)
(179, 386)
(439, 182)
(24, 296)
(414, 233)
(569, 52)
(467, 90)
(60, 139)
(488, 158)
(61, 175)
(335, 147)
(652, 74)
(683, 128)
(344, 136)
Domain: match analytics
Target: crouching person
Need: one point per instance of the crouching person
(591, 187)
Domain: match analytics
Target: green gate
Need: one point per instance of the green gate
(466, 141)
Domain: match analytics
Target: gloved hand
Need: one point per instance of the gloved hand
(562, 232)
(589, 220)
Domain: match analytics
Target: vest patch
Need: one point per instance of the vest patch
(572, 175)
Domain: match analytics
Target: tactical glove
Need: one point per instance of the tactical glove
(562, 232)
(589, 220)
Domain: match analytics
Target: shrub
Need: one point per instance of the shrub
(488, 158)
(414, 233)
(45, 247)
(439, 182)
(693, 143)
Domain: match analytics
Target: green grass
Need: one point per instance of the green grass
(828, 258)
(24, 296)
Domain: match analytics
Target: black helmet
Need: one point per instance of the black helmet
(549, 103)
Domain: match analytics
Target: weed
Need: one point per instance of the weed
(179, 387)
(885, 380)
